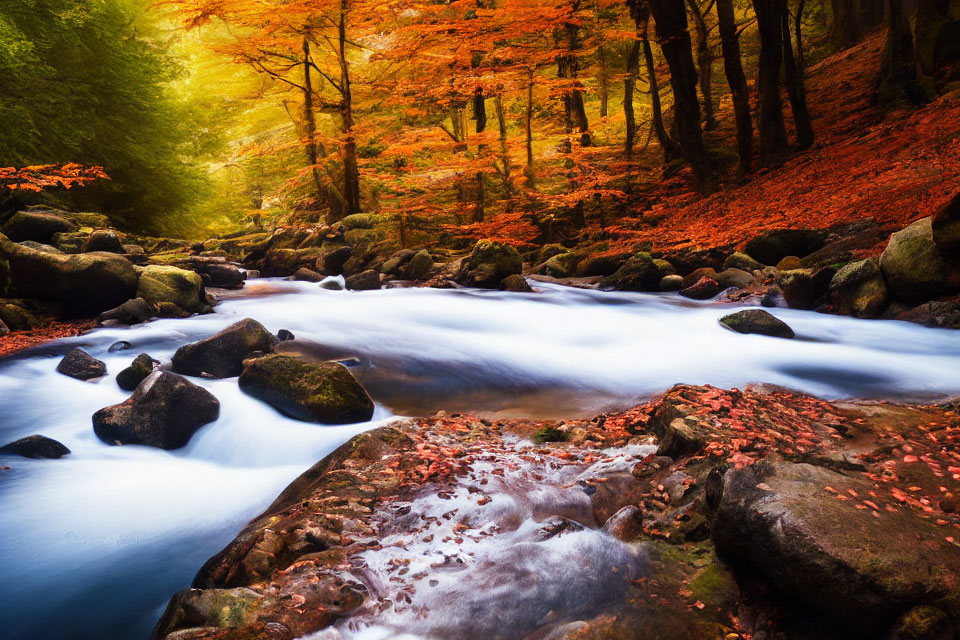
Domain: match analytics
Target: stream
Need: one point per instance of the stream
(94, 544)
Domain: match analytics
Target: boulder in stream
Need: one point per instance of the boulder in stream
(35, 446)
(324, 392)
(222, 354)
(81, 365)
(102, 240)
(704, 289)
(913, 266)
(368, 280)
(858, 289)
(639, 273)
(757, 321)
(133, 311)
(164, 412)
(489, 263)
(141, 367)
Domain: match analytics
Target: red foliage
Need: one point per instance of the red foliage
(40, 177)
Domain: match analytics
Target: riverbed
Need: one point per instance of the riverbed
(94, 544)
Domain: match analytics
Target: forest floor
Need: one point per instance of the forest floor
(878, 171)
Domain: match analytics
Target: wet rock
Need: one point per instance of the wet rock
(626, 524)
(141, 367)
(102, 241)
(558, 266)
(222, 354)
(773, 246)
(87, 283)
(284, 262)
(307, 275)
(858, 289)
(36, 225)
(550, 250)
(39, 246)
(680, 438)
(35, 447)
(598, 266)
(331, 285)
(704, 289)
(179, 287)
(16, 317)
(913, 266)
(773, 297)
(396, 264)
(331, 263)
(672, 282)
(364, 281)
(862, 566)
(943, 314)
(797, 287)
(322, 392)
(516, 283)
(284, 335)
(133, 311)
(694, 276)
(216, 272)
(70, 241)
(420, 265)
(164, 411)
(742, 261)
(4, 329)
(946, 229)
(757, 321)
(81, 365)
(737, 278)
(488, 264)
(922, 623)
(789, 264)
(639, 273)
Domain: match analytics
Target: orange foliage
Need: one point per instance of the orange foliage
(40, 177)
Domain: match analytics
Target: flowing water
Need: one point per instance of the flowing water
(93, 545)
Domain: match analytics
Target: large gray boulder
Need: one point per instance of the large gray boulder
(222, 354)
(858, 289)
(38, 226)
(86, 283)
(164, 411)
(324, 392)
(913, 266)
(864, 566)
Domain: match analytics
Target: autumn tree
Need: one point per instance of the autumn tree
(901, 79)
(772, 131)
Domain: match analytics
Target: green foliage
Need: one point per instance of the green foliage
(80, 83)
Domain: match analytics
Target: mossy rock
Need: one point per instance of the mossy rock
(180, 287)
(141, 367)
(16, 317)
(86, 284)
(420, 265)
(358, 221)
(549, 434)
(489, 263)
(640, 273)
(740, 260)
(70, 241)
(913, 266)
(858, 289)
(39, 226)
(324, 392)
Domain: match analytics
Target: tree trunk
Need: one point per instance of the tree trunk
(329, 193)
(629, 85)
(671, 19)
(900, 77)
(704, 64)
(845, 28)
(351, 172)
(504, 151)
(797, 24)
(568, 66)
(733, 68)
(641, 15)
(530, 171)
(795, 88)
(480, 109)
(773, 134)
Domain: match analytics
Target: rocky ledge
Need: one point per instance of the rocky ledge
(705, 513)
